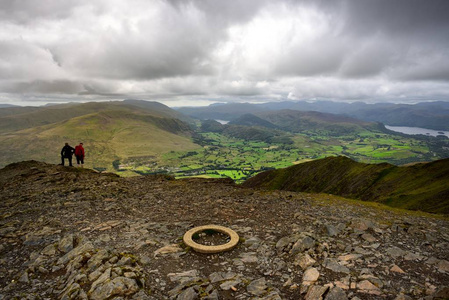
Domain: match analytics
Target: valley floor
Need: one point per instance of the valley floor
(69, 233)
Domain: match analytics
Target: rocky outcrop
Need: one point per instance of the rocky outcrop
(76, 234)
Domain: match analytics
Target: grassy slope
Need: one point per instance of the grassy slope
(14, 119)
(419, 187)
(107, 135)
(298, 121)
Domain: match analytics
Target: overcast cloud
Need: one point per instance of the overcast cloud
(188, 52)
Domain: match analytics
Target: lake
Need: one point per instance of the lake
(417, 130)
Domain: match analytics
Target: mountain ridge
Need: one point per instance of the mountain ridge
(418, 187)
(109, 131)
(430, 115)
(18, 118)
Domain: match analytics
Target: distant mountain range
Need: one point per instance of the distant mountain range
(272, 126)
(120, 131)
(7, 105)
(431, 115)
(417, 187)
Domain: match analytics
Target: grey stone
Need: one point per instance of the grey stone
(252, 242)
(310, 276)
(395, 252)
(33, 240)
(124, 261)
(216, 277)
(103, 277)
(250, 257)
(97, 273)
(104, 238)
(333, 265)
(413, 256)
(443, 266)
(303, 244)
(336, 293)
(366, 285)
(227, 285)
(66, 243)
(374, 280)
(349, 257)
(82, 249)
(188, 294)
(50, 250)
(24, 278)
(402, 297)
(212, 296)
(432, 261)
(274, 295)
(285, 241)
(257, 287)
(430, 237)
(182, 275)
(145, 260)
(316, 292)
(97, 259)
(304, 261)
(369, 237)
(362, 224)
(120, 286)
(142, 296)
(360, 250)
(169, 249)
(72, 292)
(332, 230)
(221, 276)
(341, 226)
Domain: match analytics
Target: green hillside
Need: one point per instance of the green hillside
(312, 121)
(252, 120)
(14, 119)
(109, 133)
(417, 187)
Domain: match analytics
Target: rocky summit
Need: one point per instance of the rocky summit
(69, 233)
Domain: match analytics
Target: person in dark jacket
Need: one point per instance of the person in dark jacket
(79, 154)
(67, 152)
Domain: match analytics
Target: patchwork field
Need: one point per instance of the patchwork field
(238, 159)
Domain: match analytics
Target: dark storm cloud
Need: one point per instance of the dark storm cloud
(44, 87)
(398, 17)
(374, 38)
(346, 49)
(29, 11)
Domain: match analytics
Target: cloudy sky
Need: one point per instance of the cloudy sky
(185, 52)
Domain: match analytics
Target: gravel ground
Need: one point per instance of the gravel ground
(70, 233)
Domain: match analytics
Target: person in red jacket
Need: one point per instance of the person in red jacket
(79, 154)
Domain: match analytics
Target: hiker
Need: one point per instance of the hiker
(79, 154)
(67, 152)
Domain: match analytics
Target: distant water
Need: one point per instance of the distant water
(417, 130)
(222, 122)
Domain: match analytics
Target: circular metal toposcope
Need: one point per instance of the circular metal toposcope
(188, 239)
